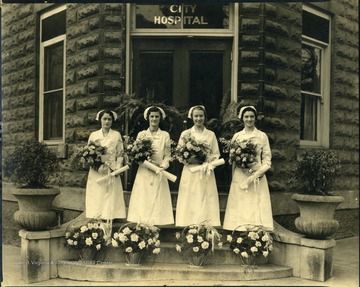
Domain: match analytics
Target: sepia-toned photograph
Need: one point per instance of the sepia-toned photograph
(180, 143)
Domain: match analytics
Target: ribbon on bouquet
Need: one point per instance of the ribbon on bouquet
(157, 169)
(114, 173)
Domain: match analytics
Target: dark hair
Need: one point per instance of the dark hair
(106, 112)
(156, 110)
(198, 107)
(248, 109)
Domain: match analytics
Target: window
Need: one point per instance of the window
(315, 78)
(52, 76)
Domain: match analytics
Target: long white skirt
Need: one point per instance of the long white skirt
(104, 200)
(150, 200)
(198, 199)
(251, 206)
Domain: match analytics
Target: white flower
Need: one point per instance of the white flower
(142, 244)
(114, 243)
(229, 238)
(123, 237)
(189, 238)
(257, 243)
(128, 250)
(236, 250)
(200, 239)
(90, 225)
(150, 241)
(88, 241)
(126, 230)
(76, 235)
(265, 253)
(220, 244)
(75, 243)
(94, 235)
(265, 237)
(157, 243)
(98, 247)
(134, 237)
(156, 250)
(70, 242)
(67, 234)
(239, 240)
(178, 248)
(205, 245)
(177, 235)
(83, 229)
(192, 231)
(254, 249)
(196, 249)
(244, 254)
(116, 235)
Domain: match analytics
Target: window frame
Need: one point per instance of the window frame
(323, 104)
(43, 46)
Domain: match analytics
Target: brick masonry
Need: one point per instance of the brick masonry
(269, 75)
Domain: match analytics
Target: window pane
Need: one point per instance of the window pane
(53, 67)
(53, 115)
(157, 76)
(206, 81)
(310, 69)
(309, 117)
(53, 26)
(315, 27)
(186, 15)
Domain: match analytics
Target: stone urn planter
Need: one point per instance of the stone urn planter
(35, 208)
(317, 212)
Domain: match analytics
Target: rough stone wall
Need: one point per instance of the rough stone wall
(344, 117)
(269, 77)
(19, 74)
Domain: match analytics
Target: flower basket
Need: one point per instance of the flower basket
(134, 258)
(196, 241)
(250, 242)
(136, 240)
(90, 237)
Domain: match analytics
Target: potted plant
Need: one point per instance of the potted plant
(136, 240)
(29, 167)
(314, 173)
(196, 241)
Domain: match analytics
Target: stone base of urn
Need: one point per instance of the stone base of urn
(316, 219)
(35, 208)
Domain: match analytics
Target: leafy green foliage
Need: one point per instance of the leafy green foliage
(316, 171)
(31, 164)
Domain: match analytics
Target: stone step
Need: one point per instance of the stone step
(119, 272)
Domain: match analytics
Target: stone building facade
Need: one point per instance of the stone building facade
(265, 41)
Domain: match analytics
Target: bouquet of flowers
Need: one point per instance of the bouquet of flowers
(197, 240)
(139, 149)
(193, 151)
(250, 241)
(88, 156)
(242, 153)
(90, 235)
(137, 238)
